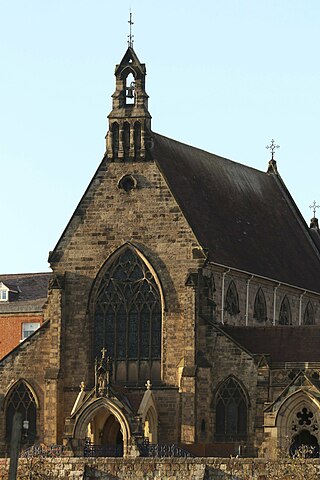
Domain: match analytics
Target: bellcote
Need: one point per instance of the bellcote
(129, 121)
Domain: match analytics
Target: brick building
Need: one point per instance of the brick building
(22, 299)
(184, 305)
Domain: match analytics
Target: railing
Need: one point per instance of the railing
(41, 450)
(91, 450)
(159, 450)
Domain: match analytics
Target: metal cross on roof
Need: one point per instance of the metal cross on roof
(314, 207)
(130, 36)
(272, 147)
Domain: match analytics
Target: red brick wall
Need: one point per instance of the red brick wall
(11, 329)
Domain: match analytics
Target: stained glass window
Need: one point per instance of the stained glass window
(308, 317)
(232, 300)
(260, 307)
(128, 316)
(231, 411)
(285, 312)
(21, 399)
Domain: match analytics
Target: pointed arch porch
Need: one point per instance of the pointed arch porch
(297, 413)
(94, 408)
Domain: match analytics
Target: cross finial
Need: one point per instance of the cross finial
(272, 147)
(103, 352)
(314, 207)
(130, 36)
(148, 385)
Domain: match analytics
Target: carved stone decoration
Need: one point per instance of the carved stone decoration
(304, 419)
(103, 374)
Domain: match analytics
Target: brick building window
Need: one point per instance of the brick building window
(28, 329)
(21, 399)
(260, 307)
(232, 299)
(308, 317)
(127, 318)
(231, 411)
(285, 312)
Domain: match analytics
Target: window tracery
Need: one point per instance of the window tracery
(231, 411)
(128, 318)
(20, 399)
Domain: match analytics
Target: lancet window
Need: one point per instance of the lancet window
(285, 312)
(21, 399)
(128, 318)
(232, 299)
(308, 317)
(260, 306)
(231, 411)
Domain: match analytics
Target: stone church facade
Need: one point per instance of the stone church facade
(184, 306)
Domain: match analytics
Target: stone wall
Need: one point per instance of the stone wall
(166, 469)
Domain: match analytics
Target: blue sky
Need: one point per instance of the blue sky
(226, 76)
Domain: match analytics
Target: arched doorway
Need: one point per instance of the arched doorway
(105, 435)
(111, 436)
(305, 444)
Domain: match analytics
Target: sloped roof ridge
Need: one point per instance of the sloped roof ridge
(23, 274)
(206, 152)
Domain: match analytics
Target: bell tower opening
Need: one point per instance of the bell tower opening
(130, 89)
(129, 135)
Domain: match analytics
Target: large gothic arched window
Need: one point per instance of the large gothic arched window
(285, 312)
(128, 318)
(231, 411)
(21, 399)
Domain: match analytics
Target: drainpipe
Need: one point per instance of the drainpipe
(300, 306)
(275, 302)
(247, 300)
(222, 294)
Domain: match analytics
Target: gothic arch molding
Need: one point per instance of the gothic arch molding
(90, 410)
(108, 262)
(28, 385)
(290, 419)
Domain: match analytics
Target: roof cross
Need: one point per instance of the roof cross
(314, 207)
(272, 147)
(130, 36)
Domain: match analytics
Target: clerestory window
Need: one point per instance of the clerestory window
(260, 307)
(285, 312)
(232, 300)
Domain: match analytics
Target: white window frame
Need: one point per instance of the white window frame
(4, 295)
(28, 328)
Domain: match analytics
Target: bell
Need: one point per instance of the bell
(130, 92)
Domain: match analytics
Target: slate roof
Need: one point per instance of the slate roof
(245, 218)
(282, 343)
(33, 291)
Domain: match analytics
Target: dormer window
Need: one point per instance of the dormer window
(8, 292)
(3, 295)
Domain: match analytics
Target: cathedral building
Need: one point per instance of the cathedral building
(183, 307)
